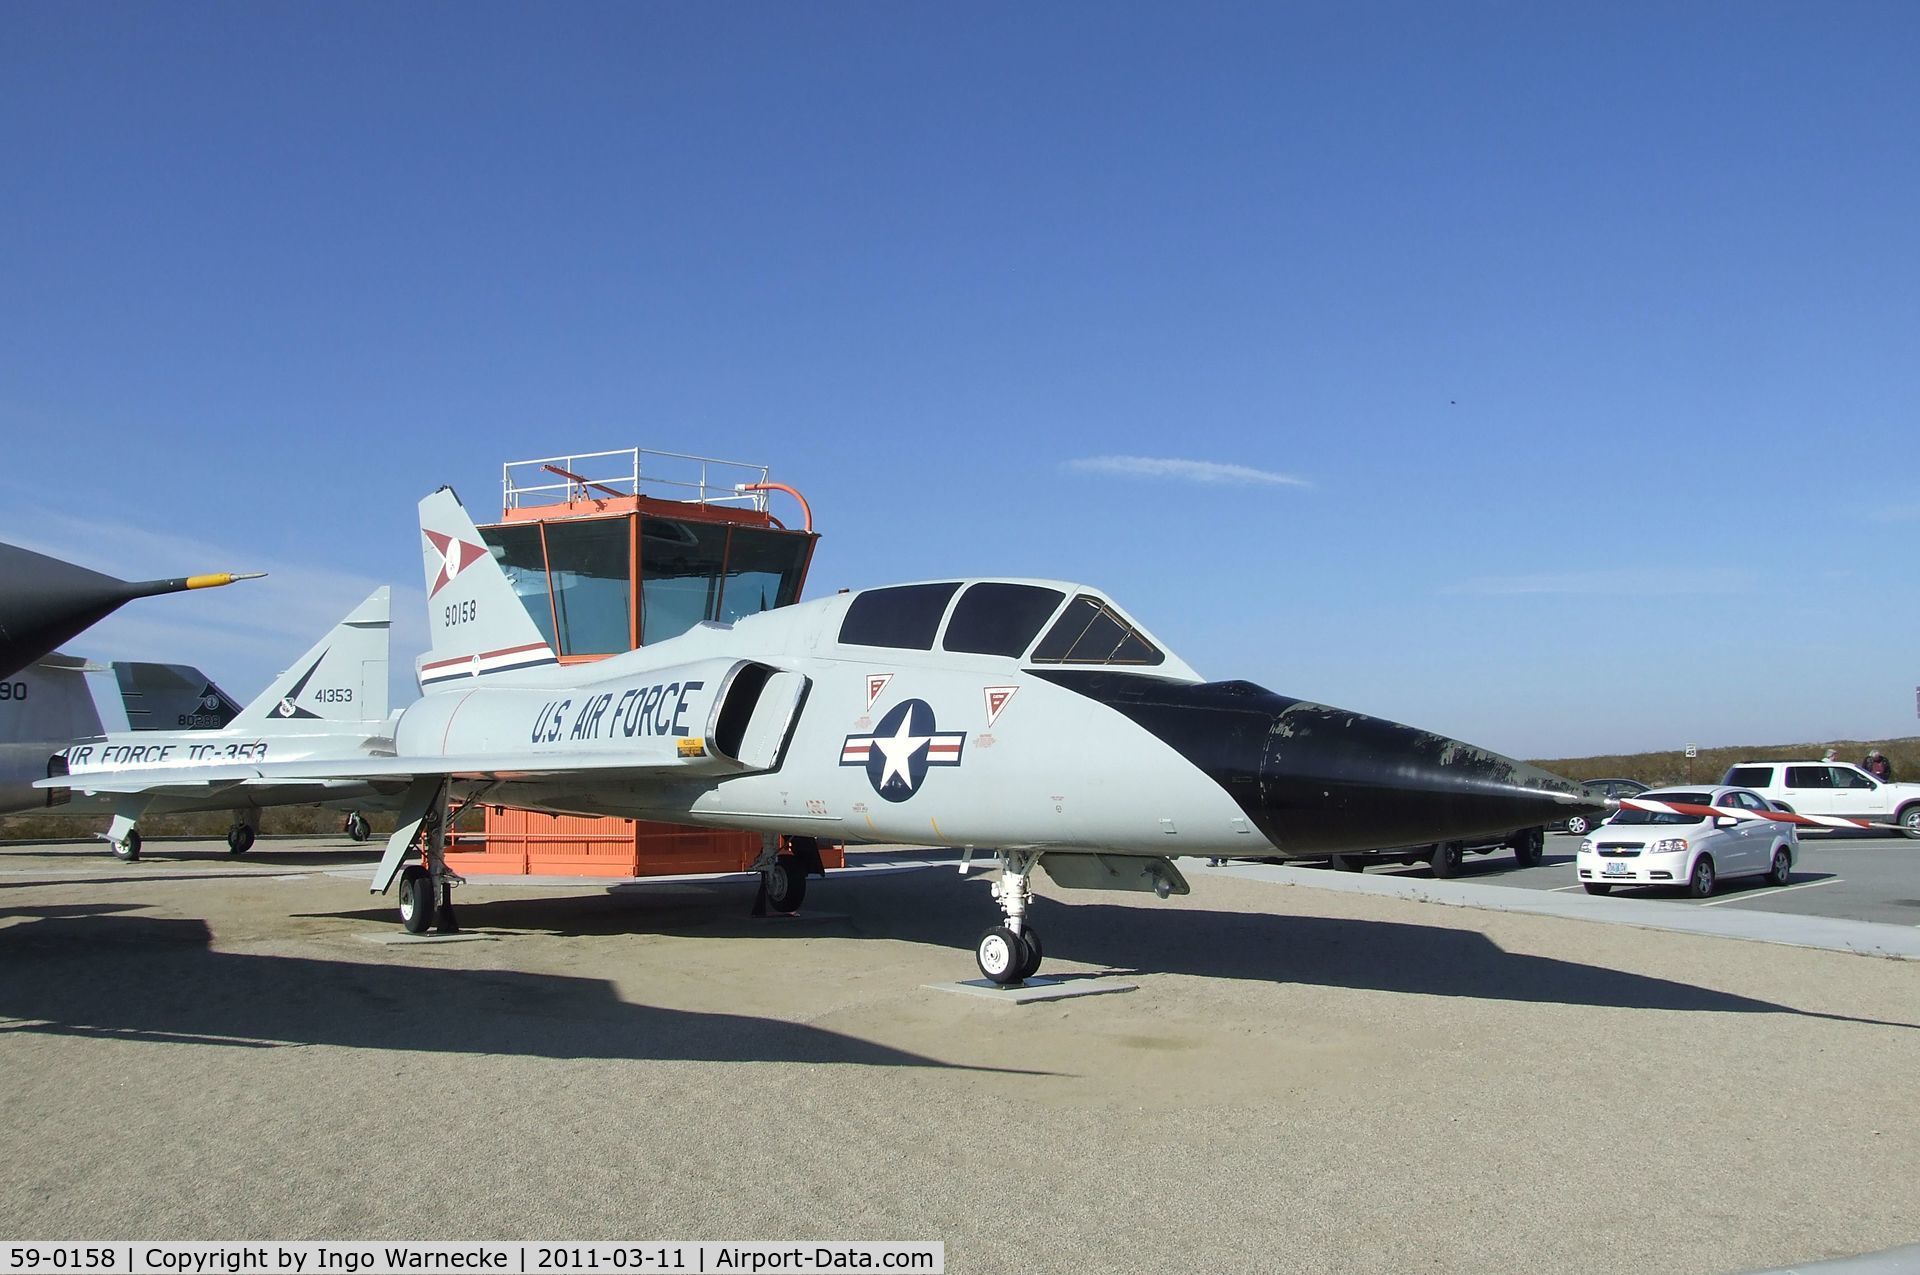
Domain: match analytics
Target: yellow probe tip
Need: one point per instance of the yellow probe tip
(215, 581)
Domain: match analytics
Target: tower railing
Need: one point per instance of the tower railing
(631, 471)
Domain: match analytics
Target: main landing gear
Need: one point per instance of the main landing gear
(123, 838)
(239, 837)
(783, 877)
(356, 826)
(1011, 953)
(422, 903)
(426, 889)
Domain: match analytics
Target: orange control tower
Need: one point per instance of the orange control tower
(611, 550)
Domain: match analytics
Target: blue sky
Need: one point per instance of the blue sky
(1545, 375)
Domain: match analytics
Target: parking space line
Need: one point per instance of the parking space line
(1785, 889)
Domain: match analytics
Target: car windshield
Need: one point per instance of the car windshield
(1629, 816)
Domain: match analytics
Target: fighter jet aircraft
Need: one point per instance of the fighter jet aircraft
(1034, 718)
(44, 601)
(60, 700)
(332, 703)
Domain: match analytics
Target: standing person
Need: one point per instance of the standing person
(1833, 754)
(1878, 766)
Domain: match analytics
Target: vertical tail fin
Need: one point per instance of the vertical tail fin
(60, 698)
(343, 678)
(476, 623)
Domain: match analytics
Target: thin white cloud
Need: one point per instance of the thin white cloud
(1186, 471)
(1619, 582)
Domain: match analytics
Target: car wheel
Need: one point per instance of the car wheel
(1782, 867)
(1910, 821)
(1598, 887)
(1701, 882)
(1578, 825)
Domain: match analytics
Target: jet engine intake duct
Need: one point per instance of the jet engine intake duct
(736, 708)
(1318, 780)
(756, 715)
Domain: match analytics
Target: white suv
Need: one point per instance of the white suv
(1830, 788)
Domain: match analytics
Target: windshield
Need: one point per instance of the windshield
(1092, 632)
(1628, 817)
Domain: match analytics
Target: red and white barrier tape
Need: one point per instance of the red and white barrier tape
(1741, 812)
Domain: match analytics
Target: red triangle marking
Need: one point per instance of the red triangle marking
(876, 683)
(455, 556)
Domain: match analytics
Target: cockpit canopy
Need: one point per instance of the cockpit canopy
(1000, 617)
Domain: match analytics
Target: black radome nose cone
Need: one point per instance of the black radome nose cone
(1332, 780)
(1319, 780)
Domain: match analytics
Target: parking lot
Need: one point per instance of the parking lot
(1840, 876)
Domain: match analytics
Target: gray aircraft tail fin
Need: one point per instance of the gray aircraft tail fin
(343, 678)
(58, 699)
(476, 623)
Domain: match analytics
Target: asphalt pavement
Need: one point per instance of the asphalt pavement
(1848, 878)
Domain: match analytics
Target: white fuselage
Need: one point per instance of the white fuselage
(890, 745)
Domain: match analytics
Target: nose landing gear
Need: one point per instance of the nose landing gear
(1011, 953)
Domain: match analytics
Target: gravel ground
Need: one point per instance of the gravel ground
(1305, 1080)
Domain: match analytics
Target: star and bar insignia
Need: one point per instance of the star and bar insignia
(901, 748)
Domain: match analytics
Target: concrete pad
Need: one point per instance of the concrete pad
(1035, 990)
(1893, 1261)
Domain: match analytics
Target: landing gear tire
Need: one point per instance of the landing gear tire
(786, 886)
(127, 851)
(1700, 882)
(1597, 887)
(1531, 847)
(416, 899)
(1446, 859)
(1001, 955)
(1349, 863)
(1782, 867)
(1578, 825)
(357, 827)
(239, 838)
(1030, 943)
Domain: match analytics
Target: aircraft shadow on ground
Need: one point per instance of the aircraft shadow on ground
(92, 970)
(933, 908)
(84, 860)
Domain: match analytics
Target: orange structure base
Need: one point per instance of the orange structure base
(528, 843)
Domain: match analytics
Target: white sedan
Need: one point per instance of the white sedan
(1695, 850)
